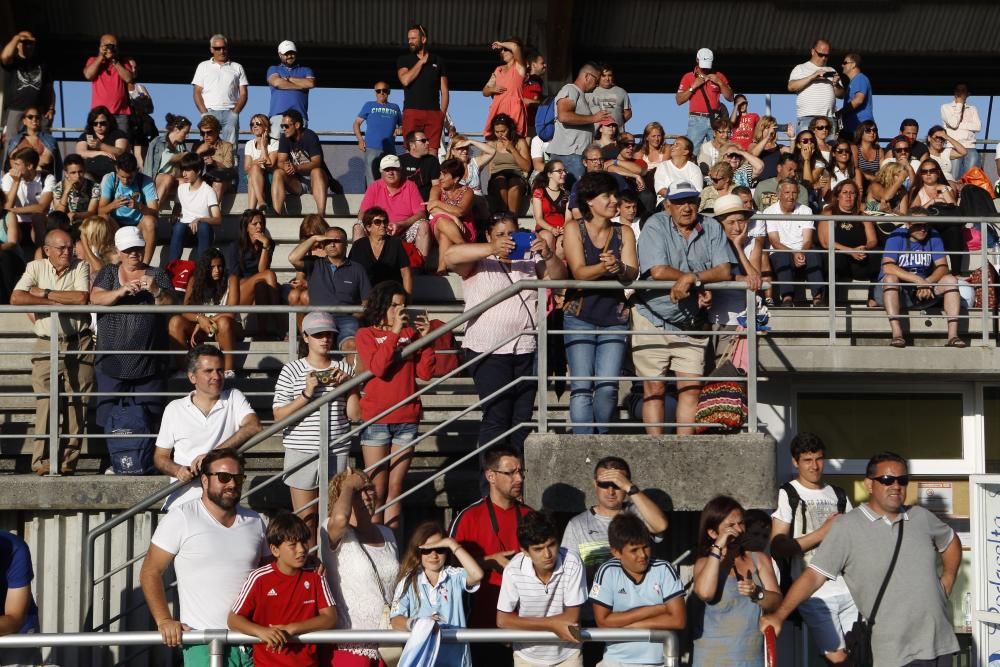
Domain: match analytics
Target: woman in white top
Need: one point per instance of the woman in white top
(941, 146)
(362, 564)
(199, 210)
(461, 149)
(259, 158)
(487, 268)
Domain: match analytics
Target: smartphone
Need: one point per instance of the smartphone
(522, 243)
(91, 138)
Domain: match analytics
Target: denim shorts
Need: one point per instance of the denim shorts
(379, 435)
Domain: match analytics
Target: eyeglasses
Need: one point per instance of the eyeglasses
(558, 171)
(384, 91)
(717, 180)
(901, 149)
(805, 140)
(607, 485)
(220, 48)
(100, 123)
(847, 62)
(59, 248)
(378, 221)
(928, 171)
(732, 156)
(227, 477)
(889, 480)
(422, 141)
(440, 551)
(31, 116)
(821, 128)
(289, 53)
(520, 472)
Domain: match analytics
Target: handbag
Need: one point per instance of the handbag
(718, 112)
(724, 402)
(390, 653)
(859, 637)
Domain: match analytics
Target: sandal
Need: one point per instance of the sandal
(898, 342)
(956, 342)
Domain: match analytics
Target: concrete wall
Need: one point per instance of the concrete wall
(684, 471)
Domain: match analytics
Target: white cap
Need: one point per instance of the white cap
(682, 190)
(128, 237)
(705, 58)
(389, 162)
(286, 46)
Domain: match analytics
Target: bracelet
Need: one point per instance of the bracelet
(714, 555)
(308, 398)
(716, 546)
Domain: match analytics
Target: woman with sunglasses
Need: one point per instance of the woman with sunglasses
(298, 292)
(506, 87)
(33, 135)
(810, 159)
(932, 186)
(164, 155)
(259, 157)
(101, 143)
(841, 165)
(460, 149)
(867, 152)
(720, 178)
(942, 147)
(382, 256)
(820, 127)
(746, 166)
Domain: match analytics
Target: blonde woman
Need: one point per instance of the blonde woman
(97, 243)
(887, 193)
(766, 147)
(259, 159)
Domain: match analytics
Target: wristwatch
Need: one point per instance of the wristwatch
(697, 280)
(758, 594)
(632, 490)
(45, 293)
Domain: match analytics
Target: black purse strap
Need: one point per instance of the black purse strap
(888, 574)
(708, 104)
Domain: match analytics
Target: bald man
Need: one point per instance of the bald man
(109, 76)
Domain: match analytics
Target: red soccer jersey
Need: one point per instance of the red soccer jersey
(272, 598)
(473, 529)
(697, 102)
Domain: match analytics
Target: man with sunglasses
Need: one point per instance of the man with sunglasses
(912, 626)
(109, 77)
(300, 166)
(290, 85)
(210, 417)
(858, 105)
(383, 121)
(29, 84)
(575, 120)
(816, 86)
(424, 78)
(213, 544)
(418, 164)
(220, 88)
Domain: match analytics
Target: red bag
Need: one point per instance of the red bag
(446, 358)
(180, 271)
(416, 259)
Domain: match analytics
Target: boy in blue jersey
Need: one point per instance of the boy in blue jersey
(635, 591)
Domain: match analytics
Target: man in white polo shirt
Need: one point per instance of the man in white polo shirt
(543, 589)
(213, 544)
(816, 86)
(220, 88)
(208, 418)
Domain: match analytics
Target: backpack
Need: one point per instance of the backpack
(785, 564)
(545, 120)
(130, 455)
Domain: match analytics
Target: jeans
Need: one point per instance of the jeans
(699, 131)
(574, 166)
(181, 236)
(960, 165)
(513, 406)
(786, 271)
(591, 354)
(230, 121)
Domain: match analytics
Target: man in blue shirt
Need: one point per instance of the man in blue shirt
(632, 589)
(915, 255)
(858, 105)
(290, 85)
(383, 121)
(18, 613)
(128, 198)
(691, 251)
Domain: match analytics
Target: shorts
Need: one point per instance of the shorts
(307, 477)
(236, 656)
(655, 355)
(574, 660)
(379, 435)
(347, 327)
(828, 619)
(908, 296)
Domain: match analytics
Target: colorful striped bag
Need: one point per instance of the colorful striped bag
(724, 402)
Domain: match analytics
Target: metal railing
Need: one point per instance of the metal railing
(90, 580)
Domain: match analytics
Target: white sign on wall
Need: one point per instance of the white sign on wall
(985, 528)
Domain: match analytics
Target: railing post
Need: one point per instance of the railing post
(542, 361)
(53, 425)
(293, 342)
(217, 652)
(984, 280)
(831, 281)
(751, 361)
(324, 466)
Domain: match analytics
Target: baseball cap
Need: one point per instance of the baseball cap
(682, 190)
(705, 58)
(315, 323)
(609, 121)
(286, 46)
(727, 204)
(129, 237)
(389, 162)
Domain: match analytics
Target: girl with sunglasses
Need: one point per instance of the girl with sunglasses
(820, 127)
(867, 152)
(841, 165)
(430, 587)
(810, 159)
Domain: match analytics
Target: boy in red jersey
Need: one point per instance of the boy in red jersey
(283, 599)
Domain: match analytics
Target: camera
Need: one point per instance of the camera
(112, 49)
(324, 377)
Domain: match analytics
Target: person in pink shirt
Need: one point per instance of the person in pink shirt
(109, 77)
(402, 201)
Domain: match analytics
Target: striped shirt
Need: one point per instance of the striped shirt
(524, 594)
(304, 436)
(518, 313)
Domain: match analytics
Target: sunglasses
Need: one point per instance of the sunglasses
(378, 221)
(937, 138)
(607, 485)
(289, 53)
(257, 123)
(31, 116)
(901, 149)
(889, 480)
(422, 141)
(928, 171)
(227, 477)
(285, 126)
(732, 156)
(868, 130)
(337, 241)
(382, 90)
(805, 140)
(100, 123)
(220, 48)
(427, 551)
(717, 180)
(207, 132)
(842, 151)
(823, 55)
(109, 45)
(821, 128)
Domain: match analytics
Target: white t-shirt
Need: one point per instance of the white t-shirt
(816, 99)
(667, 173)
(220, 84)
(944, 159)
(251, 148)
(789, 231)
(196, 203)
(190, 433)
(211, 561)
(28, 192)
(522, 593)
(818, 504)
